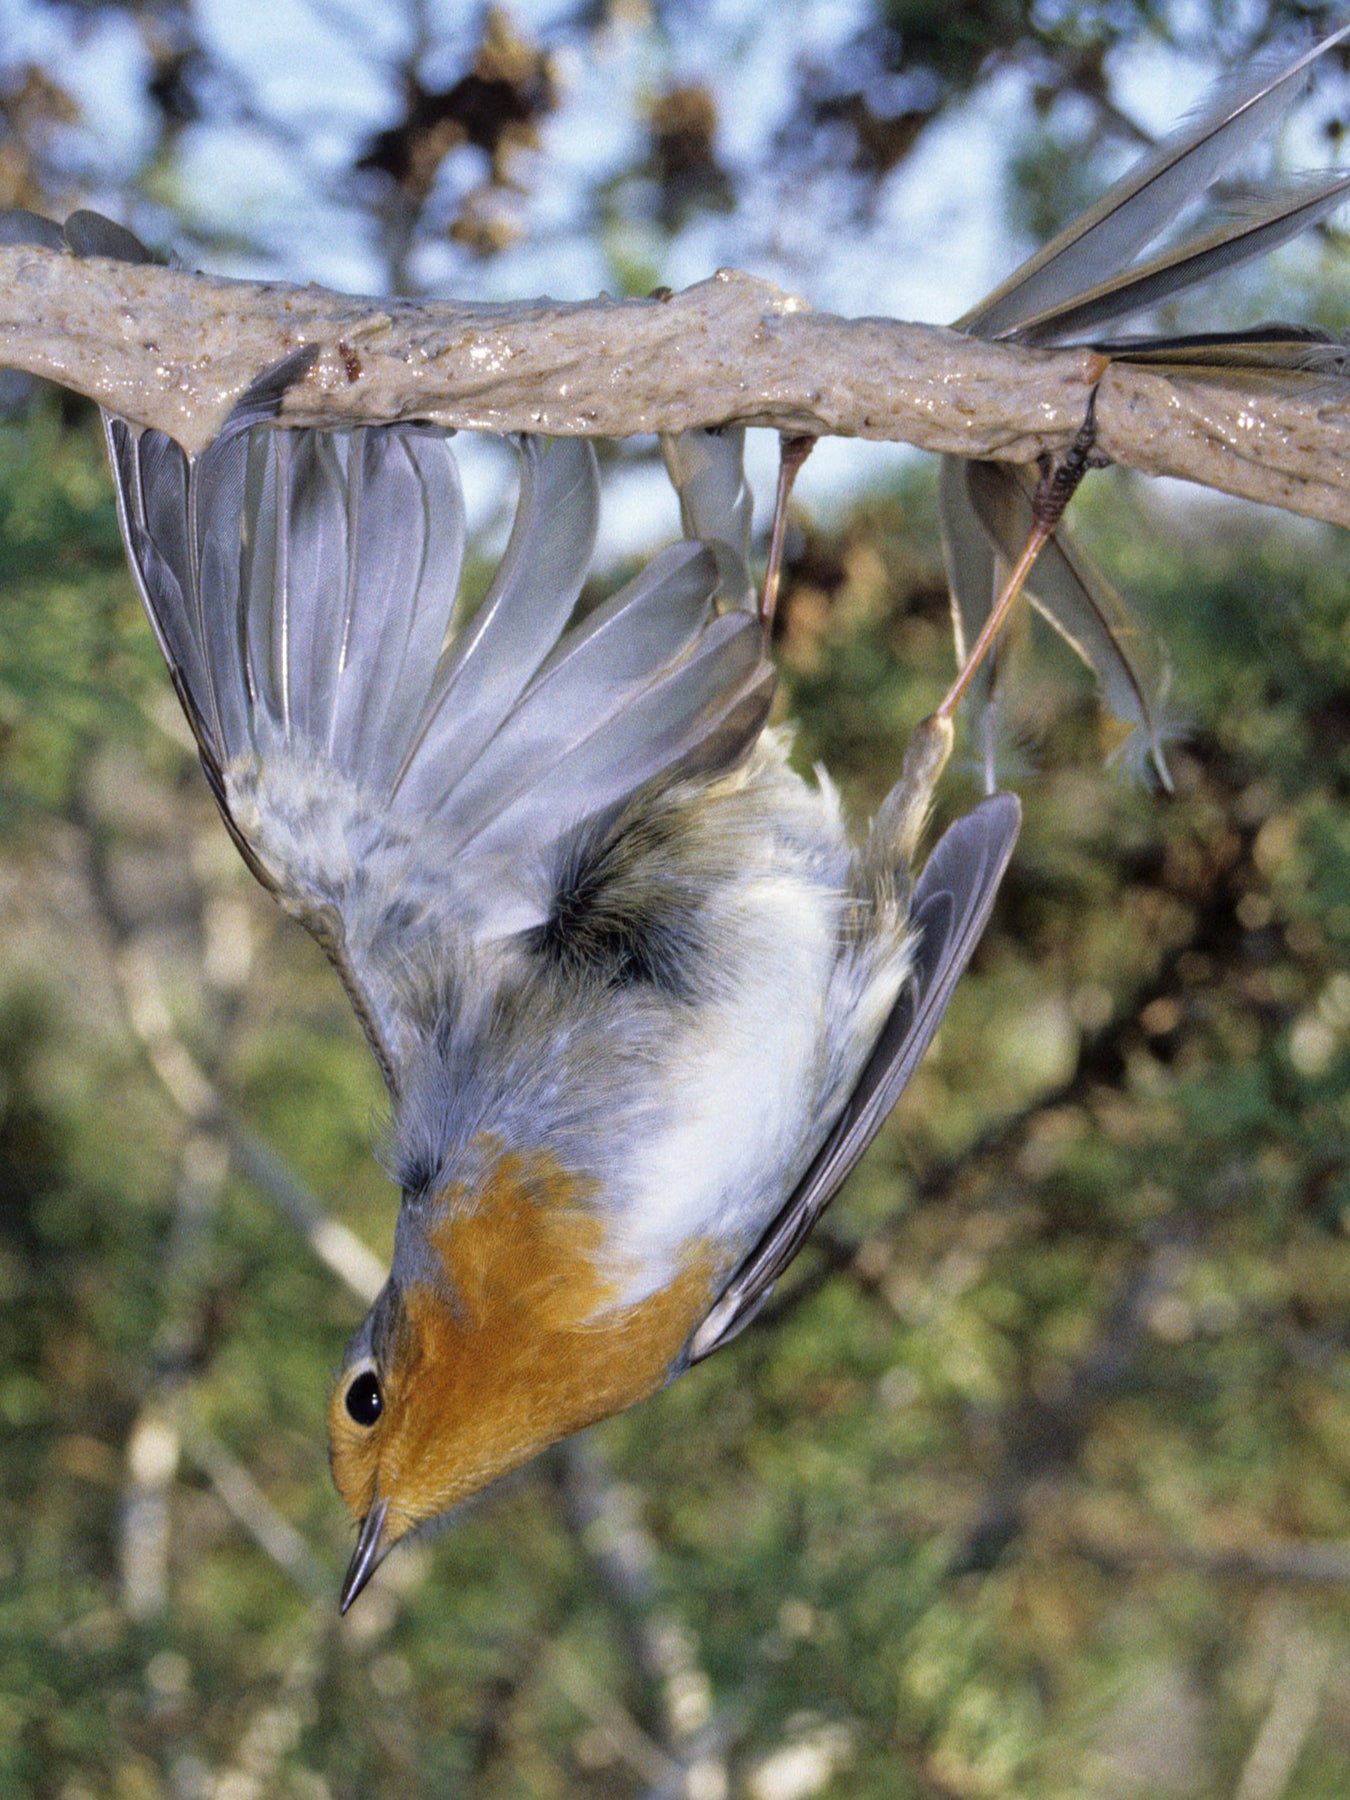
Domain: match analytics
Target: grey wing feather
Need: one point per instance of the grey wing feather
(1132, 213)
(303, 588)
(1084, 280)
(950, 908)
(165, 602)
(408, 533)
(491, 662)
(1278, 219)
(706, 466)
(183, 523)
(665, 729)
(357, 542)
(592, 678)
(650, 620)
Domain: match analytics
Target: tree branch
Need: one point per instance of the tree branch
(175, 350)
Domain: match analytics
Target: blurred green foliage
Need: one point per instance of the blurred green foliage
(72, 641)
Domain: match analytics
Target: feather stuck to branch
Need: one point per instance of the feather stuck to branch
(175, 350)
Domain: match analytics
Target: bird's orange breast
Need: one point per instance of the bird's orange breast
(528, 1341)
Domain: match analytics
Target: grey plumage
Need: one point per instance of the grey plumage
(303, 586)
(1087, 279)
(522, 831)
(517, 834)
(1099, 244)
(948, 912)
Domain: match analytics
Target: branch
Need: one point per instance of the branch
(175, 350)
(600, 1514)
(1299, 1563)
(255, 1514)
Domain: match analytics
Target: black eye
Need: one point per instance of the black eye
(365, 1402)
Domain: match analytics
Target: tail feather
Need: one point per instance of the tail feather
(1138, 208)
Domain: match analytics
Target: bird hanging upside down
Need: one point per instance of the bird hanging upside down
(639, 999)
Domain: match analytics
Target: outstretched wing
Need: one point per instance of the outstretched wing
(393, 773)
(399, 769)
(950, 908)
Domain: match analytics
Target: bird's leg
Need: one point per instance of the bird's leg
(1059, 479)
(792, 453)
(906, 810)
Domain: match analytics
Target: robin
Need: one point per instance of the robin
(639, 1000)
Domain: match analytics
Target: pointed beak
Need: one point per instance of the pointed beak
(368, 1555)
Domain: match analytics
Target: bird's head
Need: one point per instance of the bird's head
(501, 1329)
